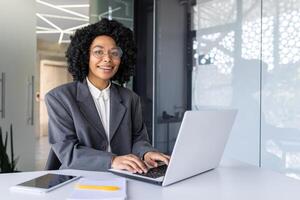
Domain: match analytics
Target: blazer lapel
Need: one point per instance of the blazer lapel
(88, 107)
(117, 110)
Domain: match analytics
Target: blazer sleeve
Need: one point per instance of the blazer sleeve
(141, 144)
(65, 143)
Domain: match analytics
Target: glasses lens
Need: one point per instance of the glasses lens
(98, 53)
(116, 53)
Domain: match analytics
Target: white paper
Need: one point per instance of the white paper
(91, 194)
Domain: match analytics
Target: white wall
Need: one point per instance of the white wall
(17, 61)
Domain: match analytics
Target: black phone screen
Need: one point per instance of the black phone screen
(47, 181)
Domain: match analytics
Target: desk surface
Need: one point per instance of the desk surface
(231, 180)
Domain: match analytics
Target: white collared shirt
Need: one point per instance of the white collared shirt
(102, 102)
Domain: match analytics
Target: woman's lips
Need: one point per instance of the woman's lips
(105, 68)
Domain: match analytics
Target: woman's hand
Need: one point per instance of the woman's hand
(152, 157)
(130, 163)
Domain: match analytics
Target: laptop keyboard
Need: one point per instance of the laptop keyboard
(155, 172)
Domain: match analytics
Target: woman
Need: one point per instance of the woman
(95, 124)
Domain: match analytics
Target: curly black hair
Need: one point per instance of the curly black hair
(79, 49)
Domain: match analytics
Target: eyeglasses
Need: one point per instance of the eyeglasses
(115, 53)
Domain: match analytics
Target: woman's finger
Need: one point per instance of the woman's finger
(133, 165)
(127, 168)
(151, 163)
(160, 157)
(139, 162)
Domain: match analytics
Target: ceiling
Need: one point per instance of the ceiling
(57, 19)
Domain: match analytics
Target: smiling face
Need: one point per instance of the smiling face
(105, 58)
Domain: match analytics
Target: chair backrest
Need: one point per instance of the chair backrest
(53, 162)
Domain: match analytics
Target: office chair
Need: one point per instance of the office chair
(53, 162)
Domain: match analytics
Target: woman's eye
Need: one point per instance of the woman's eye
(115, 53)
(98, 52)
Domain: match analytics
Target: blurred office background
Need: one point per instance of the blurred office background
(192, 54)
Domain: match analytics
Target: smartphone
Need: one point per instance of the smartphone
(44, 183)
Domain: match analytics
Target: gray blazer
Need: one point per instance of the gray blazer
(76, 134)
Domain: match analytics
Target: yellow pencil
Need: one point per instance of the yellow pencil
(97, 187)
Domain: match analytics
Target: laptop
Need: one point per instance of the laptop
(198, 148)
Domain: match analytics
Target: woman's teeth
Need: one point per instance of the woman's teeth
(105, 68)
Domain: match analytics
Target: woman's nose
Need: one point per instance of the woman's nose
(106, 57)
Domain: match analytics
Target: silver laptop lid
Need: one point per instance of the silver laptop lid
(200, 143)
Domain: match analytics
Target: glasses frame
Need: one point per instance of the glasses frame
(108, 52)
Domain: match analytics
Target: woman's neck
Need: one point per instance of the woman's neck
(98, 83)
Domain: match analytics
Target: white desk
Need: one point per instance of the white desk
(231, 181)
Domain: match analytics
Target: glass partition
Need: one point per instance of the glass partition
(280, 117)
(247, 56)
(120, 10)
(226, 68)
